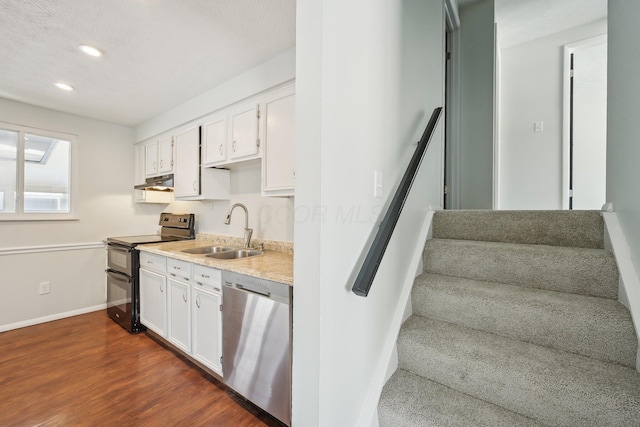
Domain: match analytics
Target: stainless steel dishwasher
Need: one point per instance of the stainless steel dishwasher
(256, 341)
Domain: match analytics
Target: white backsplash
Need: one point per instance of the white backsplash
(270, 217)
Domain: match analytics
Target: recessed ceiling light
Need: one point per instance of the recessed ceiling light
(64, 86)
(90, 50)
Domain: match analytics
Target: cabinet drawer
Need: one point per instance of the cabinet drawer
(179, 269)
(207, 278)
(153, 262)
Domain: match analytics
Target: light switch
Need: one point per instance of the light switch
(538, 126)
(377, 184)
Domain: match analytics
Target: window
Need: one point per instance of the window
(36, 174)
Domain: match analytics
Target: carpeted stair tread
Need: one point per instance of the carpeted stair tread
(594, 327)
(409, 400)
(584, 229)
(575, 270)
(551, 386)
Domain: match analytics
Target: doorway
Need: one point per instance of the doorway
(585, 118)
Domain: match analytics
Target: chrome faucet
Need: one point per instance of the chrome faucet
(247, 231)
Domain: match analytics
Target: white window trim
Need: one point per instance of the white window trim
(73, 182)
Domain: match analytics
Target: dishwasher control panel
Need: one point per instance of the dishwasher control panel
(266, 288)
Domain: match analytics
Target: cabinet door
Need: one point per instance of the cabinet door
(151, 158)
(278, 157)
(139, 172)
(165, 155)
(214, 141)
(153, 302)
(207, 329)
(187, 165)
(179, 332)
(244, 132)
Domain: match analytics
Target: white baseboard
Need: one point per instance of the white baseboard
(50, 318)
(629, 285)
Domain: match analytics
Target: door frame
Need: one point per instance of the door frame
(569, 49)
(452, 107)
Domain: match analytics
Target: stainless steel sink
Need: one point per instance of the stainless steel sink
(237, 253)
(209, 250)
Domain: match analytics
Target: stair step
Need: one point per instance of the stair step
(581, 271)
(411, 400)
(594, 327)
(551, 386)
(583, 229)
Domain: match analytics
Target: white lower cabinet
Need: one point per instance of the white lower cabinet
(180, 315)
(153, 301)
(182, 302)
(207, 330)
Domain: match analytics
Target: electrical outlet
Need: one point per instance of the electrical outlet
(538, 126)
(45, 288)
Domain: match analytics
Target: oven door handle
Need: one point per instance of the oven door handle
(119, 277)
(118, 248)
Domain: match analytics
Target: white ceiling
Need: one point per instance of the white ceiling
(523, 20)
(157, 53)
(520, 21)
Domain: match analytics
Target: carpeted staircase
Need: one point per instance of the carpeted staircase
(515, 323)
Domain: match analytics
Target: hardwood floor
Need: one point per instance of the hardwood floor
(88, 371)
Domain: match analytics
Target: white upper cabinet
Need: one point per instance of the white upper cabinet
(278, 144)
(159, 157)
(190, 181)
(165, 155)
(214, 140)
(186, 178)
(139, 172)
(244, 122)
(151, 156)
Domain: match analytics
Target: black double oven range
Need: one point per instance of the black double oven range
(123, 261)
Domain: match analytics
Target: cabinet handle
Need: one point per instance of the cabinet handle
(175, 267)
(184, 297)
(198, 301)
(173, 274)
(194, 186)
(234, 146)
(220, 149)
(205, 276)
(155, 165)
(200, 283)
(161, 290)
(160, 163)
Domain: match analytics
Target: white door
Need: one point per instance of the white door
(589, 125)
(207, 329)
(179, 315)
(153, 302)
(187, 165)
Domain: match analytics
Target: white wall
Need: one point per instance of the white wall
(105, 209)
(476, 106)
(269, 74)
(270, 217)
(531, 164)
(623, 138)
(369, 74)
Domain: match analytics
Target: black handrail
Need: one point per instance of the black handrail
(376, 251)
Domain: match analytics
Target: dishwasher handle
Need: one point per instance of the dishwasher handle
(255, 291)
(274, 291)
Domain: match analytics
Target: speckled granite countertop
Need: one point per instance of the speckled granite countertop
(276, 263)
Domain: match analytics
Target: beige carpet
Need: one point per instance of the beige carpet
(515, 322)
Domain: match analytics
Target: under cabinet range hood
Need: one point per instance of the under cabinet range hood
(157, 183)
